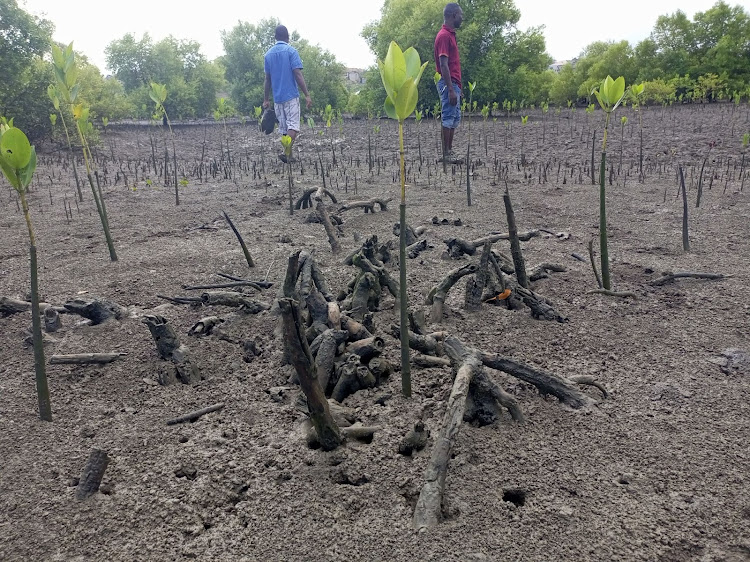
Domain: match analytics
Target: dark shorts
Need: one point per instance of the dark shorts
(450, 115)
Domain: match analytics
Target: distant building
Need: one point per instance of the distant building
(558, 64)
(354, 75)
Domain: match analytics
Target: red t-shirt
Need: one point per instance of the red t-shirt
(445, 44)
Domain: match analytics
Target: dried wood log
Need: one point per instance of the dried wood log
(169, 348)
(366, 349)
(475, 285)
(85, 358)
(381, 368)
(541, 308)
(378, 254)
(205, 326)
(368, 206)
(430, 344)
(413, 250)
(384, 277)
(359, 432)
(325, 355)
(95, 309)
(300, 356)
(366, 296)
(411, 236)
(356, 330)
(437, 295)
(323, 213)
(541, 271)
(192, 416)
(9, 306)
(320, 281)
(92, 475)
(429, 361)
(233, 299)
(547, 383)
(458, 247)
(668, 277)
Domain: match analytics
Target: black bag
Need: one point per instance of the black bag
(268, 121)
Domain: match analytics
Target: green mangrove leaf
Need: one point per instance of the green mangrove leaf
(15, 148)
(436, 77)
(406, 101)
(27, 172)
(413, 64)
(10, 173)
(393, 71)
(390, 109)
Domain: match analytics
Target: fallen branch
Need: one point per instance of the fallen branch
(262, 284)
(437, 295)
(669, 277)
(245, 251)
(326, 219)
(192, 416)
(620, 294)
(232, 285)
(368, 206)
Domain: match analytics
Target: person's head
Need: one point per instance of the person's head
(453, 15)
(282, 33)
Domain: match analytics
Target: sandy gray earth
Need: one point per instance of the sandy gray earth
(658, 471)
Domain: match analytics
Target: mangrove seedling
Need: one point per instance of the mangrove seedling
(400, 73)
(18, 162)
(636, 91)
(65, 92)
(472, 85)
(158, 94)
(609, 94)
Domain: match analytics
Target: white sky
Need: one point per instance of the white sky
(335, 25)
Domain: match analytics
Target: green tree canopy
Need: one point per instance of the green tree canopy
(494, 52)
(24, 39)
(191, 80)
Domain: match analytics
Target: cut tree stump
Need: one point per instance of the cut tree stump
(92, 475)
(169, 348)
(300, 356)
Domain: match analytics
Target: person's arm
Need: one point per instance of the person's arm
(302, 86)
(446, 75)
(267, 91)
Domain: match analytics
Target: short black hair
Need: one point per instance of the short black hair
(282, 33)
(450, 9)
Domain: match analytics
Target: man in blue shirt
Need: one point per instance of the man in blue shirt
(283, 68)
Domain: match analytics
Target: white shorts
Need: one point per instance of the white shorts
(288, 115)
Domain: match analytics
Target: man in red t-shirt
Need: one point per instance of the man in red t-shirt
(448, 64)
